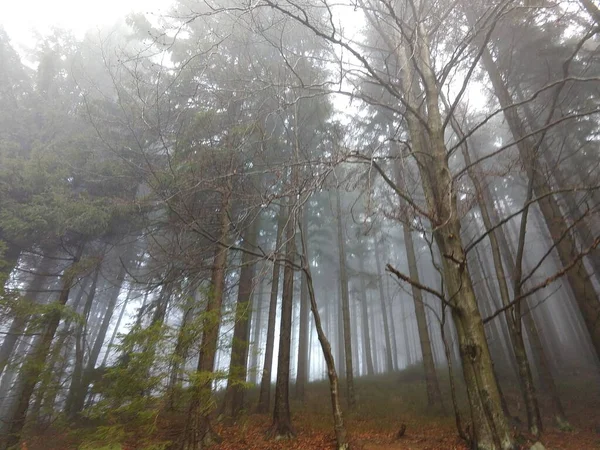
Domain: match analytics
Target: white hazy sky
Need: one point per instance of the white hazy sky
(21, 17)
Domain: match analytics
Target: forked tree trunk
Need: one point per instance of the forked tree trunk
(80, 347)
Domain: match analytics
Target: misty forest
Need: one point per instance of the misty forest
(304, 224)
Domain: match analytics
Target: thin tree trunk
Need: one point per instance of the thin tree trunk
(366, 333)
(389, 363)
(303, 335)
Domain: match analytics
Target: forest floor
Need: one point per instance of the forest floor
(384, 404)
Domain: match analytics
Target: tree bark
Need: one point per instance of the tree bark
(534, 420)
(303, 333)
(490, 428)
(282, 421)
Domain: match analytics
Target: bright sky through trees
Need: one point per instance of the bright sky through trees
(22, 19)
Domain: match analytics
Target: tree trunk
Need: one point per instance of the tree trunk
(434, 395)
(265, 383)
(303, 333)
(366, 333)
(34, 364)
(198, 431)
(389, 363)
(257, 323)
(282, 422)
(234, 394)
(345, 304)
(490, 428)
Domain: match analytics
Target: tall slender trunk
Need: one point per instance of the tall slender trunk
(303, 333)
(282, 422)
(366, 332)
(350, 398)
(576, 272)
(34, 364)
(234, 394)
(265, 383)
(198, 431)
(389, 363)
